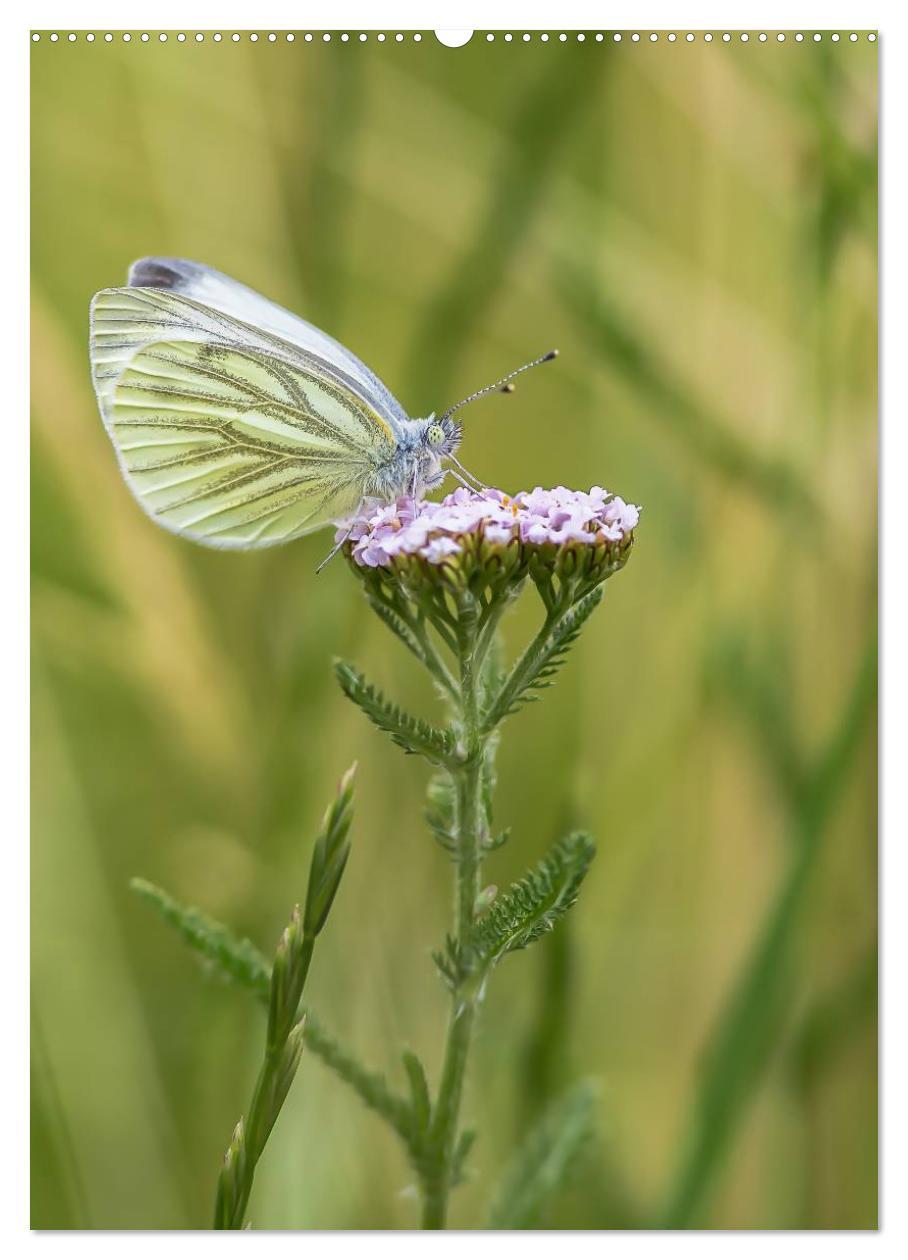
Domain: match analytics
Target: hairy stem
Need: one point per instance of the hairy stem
(437, 1183)
(471, 826)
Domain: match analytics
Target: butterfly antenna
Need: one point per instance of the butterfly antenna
(503, 386)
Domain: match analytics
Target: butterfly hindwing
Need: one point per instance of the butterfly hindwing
(229, 444)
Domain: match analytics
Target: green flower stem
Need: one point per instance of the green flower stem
(446, 614)
(471, 827)
(437, 1181)
(563, 622)
(434, 662)
(429, 654)
(489, 626)
(470, 806)
(446, 1114)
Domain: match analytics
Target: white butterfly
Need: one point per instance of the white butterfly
(238, 424)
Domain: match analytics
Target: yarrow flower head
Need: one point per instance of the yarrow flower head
(538, 525)
(466, 558)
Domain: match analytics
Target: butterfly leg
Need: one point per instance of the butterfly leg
(477, 484)
(337, 546)
(333, 552)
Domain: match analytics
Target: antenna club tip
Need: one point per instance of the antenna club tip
(502, 386)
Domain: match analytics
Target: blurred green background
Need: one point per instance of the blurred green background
(694, 226)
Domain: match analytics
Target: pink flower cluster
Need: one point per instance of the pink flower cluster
(436, 531)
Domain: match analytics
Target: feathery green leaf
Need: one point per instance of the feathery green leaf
(239, 960)
(371, 1087)
(412, 734)
(533, 905)
(235, 958)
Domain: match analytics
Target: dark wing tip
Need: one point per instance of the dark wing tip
(161, 273)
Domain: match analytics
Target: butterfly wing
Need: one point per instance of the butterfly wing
(220, 293)
(225, 434)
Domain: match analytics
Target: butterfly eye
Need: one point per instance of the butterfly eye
(435, 435)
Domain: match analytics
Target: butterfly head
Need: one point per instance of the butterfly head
(443, 436)
(440, 438)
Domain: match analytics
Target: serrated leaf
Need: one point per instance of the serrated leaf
(543, 1161)
(239, 960)
(235, 958)
(412, 734)
(371, 1087)
(533, 905)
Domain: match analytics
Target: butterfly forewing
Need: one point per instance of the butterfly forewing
(217, 292)
(229, 444)
(125, 320)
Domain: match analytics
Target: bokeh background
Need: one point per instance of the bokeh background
(694, 226)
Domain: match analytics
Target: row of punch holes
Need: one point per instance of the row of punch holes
(543, 36)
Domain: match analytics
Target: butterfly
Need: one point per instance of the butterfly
(238, 424)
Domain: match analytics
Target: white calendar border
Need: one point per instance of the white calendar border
(894, 519)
